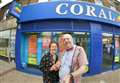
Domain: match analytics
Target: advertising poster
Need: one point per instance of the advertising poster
(32, 49)
(46, 39)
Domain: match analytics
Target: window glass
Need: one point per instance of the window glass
(99, 2)
(92, 1)
(43, 0)
(4, 42)
(106, 3)
(107, 51)
(7, 42)
(112, 5)
(117, 51)
(5, 34)
(63, 0)
(4, 38)
(12, 43)
(36, 45)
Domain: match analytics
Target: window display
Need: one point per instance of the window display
(32, 49)
(37, 44)
(4, 42)
(107, 51)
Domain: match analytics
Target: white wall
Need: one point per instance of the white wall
(5, 2)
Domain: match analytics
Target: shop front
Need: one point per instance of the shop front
(7, 44)
(95, 28)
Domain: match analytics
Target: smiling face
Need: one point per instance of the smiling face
(68, 41)
(53, 48)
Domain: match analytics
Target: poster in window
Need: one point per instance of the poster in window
(32, 49)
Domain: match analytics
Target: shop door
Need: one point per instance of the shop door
(108, 51)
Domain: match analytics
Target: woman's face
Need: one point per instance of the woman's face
(53, 48)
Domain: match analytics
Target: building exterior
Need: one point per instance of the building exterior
(94, 24)
(8, 25)
(7, 33)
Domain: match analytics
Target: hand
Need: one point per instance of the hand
(66, 79)
(54, 68)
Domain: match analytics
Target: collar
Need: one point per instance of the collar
(69, 49)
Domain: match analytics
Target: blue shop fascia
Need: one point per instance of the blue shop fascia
(94, 27)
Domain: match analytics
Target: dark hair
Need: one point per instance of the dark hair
(52, 43)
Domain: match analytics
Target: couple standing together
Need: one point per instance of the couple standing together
(66, 69)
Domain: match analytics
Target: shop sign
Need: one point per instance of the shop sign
(87, 10)
(70, 10)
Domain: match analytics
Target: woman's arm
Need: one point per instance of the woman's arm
(42, 63)
(56, 66)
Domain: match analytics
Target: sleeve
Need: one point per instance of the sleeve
(82, 62)
(82, 58)
(42, 64)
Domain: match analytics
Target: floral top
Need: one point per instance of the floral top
(45, 65)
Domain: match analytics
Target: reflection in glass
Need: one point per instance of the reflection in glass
(35, 45)
(107, 51)
(117, 51)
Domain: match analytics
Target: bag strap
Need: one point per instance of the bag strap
(72, 59)
(71, 69)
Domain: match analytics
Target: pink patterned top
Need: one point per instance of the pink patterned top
(79, 58)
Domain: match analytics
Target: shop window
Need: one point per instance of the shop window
(4, 42)
(106, 3)
(112, 5)
(7, 42)
(3, 46)
(5, 34)
(63, 0)
(12, 43)
(36, 45)
(99, 2)
(107, 51)
(43, 1)
(86, 0)
(117, 51)
(0, 34)
(92, 1)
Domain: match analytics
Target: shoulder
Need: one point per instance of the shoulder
(46, 55)
(79, 48)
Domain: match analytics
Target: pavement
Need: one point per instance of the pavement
(6, 67)
(105, 77)
(20, 77)
(9, 74)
